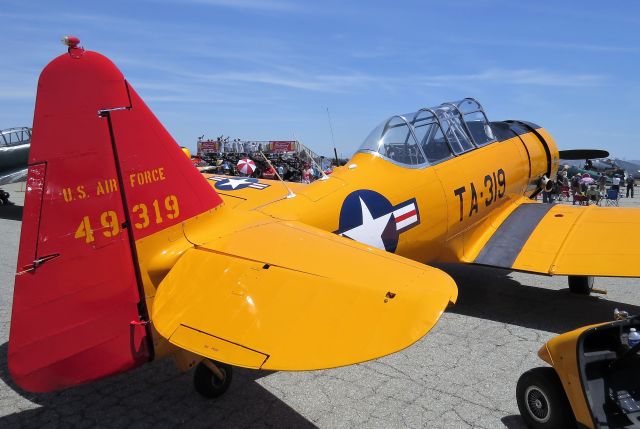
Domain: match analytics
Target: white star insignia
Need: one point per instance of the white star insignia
(370, 232)
(234, 183)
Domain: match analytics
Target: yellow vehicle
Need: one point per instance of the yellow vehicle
(593, 381)
(129, 254)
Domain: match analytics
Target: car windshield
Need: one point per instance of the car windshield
(430, 135)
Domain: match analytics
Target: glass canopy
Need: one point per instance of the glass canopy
(15, 136)
(430, 135)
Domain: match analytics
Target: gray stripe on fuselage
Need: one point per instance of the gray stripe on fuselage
(505, 245)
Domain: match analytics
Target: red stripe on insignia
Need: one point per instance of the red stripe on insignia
(406, 216)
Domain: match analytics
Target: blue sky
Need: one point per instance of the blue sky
(267, 70)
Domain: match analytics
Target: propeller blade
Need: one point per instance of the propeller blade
(576, 154)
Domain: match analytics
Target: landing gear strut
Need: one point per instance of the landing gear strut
(211, 379)
(4, 198)
(581, 285)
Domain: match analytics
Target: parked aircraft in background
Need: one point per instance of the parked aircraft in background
(14, 153)
(604, 165)
(128, 254)
(596, 167)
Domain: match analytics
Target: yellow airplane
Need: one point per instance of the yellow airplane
(128, 254)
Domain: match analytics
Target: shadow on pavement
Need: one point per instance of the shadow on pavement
(489, 293)
(514, 422)
(11, 212)
(157, 395)
(154, 395)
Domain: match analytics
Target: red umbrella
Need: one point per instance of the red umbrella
(246, 166)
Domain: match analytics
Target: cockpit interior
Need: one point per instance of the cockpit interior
(431, 135)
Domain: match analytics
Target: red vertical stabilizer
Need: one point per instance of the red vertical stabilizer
(103, 172)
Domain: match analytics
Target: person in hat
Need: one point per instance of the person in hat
(631, 183)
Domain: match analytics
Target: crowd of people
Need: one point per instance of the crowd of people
(291, 167)
(583, 188)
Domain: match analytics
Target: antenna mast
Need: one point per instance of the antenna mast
(335, 152)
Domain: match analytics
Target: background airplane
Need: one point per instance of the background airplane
(605, 165)
(14, 154)
(128, 254)
(596, 167)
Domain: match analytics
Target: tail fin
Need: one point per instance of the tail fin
(103, 173)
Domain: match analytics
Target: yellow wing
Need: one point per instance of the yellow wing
(567, 240)
(287, 296)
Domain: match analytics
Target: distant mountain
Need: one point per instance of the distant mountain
(631, 166)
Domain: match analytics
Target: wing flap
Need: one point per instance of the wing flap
(567, 240)
(309, 300)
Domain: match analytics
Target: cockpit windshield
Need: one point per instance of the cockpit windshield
(15, 136)
(395, 139)
(430, 135)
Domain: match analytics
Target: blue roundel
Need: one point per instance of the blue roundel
(367, 216)
(235, 184)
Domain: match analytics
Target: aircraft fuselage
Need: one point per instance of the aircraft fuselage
(425, 214)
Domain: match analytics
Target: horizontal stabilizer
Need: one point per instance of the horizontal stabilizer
(302, 299)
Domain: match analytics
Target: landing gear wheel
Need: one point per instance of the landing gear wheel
(542, 401)
(207, 383)
(581, 285)
(4, 198)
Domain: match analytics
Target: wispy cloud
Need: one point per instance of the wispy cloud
(203, 99)
(13, 93)
(309, 82)
(261, 5)
(177, 76)
(194, 93)
(353, 80)
(515, 43)
(517, 77)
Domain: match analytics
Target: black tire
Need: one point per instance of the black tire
(207, 384)
(581, 285)
(542, 401)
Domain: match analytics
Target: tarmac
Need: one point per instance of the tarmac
(462, 374)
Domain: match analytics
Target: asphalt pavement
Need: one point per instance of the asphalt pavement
(461, 375)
